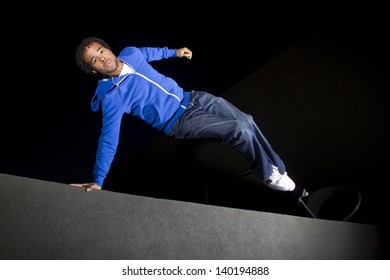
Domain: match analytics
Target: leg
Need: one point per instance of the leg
(208, 116)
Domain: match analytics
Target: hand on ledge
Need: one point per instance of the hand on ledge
(88, 186)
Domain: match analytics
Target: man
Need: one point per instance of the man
(128, 84)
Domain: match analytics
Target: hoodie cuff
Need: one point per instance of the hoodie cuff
(98, 180)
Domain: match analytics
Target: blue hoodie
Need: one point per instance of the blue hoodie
(143, 93)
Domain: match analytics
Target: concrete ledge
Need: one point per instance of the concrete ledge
(49, 220)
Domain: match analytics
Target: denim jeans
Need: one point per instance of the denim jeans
(213, 117)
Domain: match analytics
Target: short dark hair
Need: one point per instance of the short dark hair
(84, 66)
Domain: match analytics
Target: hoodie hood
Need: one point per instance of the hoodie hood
(104, 86)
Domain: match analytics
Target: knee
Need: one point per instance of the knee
(244, 127)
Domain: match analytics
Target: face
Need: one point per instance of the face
(102, 60)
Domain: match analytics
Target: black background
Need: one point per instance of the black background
(49, 130)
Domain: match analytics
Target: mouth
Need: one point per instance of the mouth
(108, 63)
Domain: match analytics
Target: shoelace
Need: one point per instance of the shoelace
(275, 176)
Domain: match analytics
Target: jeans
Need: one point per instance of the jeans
(213, 117)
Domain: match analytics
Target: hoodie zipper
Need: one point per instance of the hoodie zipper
(146, 78)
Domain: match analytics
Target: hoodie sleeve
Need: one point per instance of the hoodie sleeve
(152, 54)
(107, 144)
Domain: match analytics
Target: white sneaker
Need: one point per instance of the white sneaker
(280, 182)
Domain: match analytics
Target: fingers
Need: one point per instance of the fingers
(184, 52)
(188, 55)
